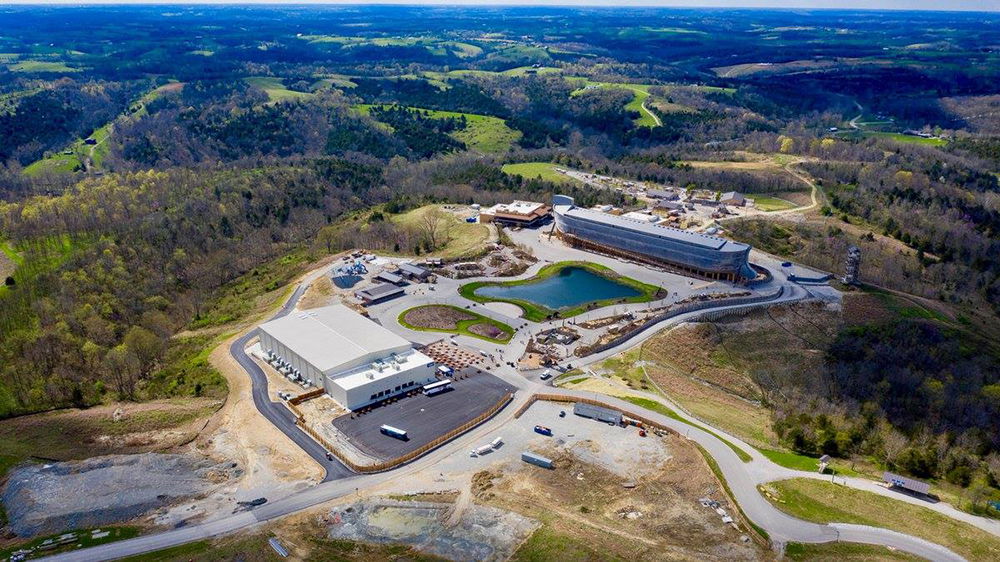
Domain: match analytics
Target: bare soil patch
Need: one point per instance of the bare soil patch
(486, 330)
(589, 514)
(159, 425)
(436, 317)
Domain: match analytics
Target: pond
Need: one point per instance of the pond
(571, 286)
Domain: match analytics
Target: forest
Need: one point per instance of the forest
(146, 180)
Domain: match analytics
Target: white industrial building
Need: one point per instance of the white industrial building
(357, 361)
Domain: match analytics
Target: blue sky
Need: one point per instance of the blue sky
(977, 5)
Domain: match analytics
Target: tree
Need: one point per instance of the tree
(432, 226)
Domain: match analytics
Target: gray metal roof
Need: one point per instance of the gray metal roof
(906, 483)
(390, 277)
(693, 238)
(333, 337)
(377, 291)
(413, 269)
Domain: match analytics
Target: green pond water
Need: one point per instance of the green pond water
(572, 286)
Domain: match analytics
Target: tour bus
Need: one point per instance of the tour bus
(437, 387)
(394, 432)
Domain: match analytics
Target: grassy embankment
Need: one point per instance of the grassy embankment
(482, 133)
(532, 170)
(844, 552)
(85, 539)
(823, 502)
(275, 89)
(538, 313)
(255, 548)
(461, 326)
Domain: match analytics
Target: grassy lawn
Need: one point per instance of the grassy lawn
(531, 170)
(899, 137)
(482, 133)
(547, 544)
(41, 66)
(462, 239)
(796, 461)
(462, 326)
(769, 204)
(84, 539)
(843, 552)
(823, 502)
(538, 313)
(275, 89)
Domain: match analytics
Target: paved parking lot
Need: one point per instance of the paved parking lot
(423, 417)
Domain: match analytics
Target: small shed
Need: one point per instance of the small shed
(414, 271)
(733, 198)
(390, 278)
(379, 293)
(905, 483)
(598, 413)
(663, 194)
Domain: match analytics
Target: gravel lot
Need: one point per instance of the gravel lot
(51, 498)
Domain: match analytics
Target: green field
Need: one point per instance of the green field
(482, 133)
(538, 313)
(911, 139)
(79, 151)
(84, 539)
(769, 204)
(275, 89)
(531, 170)
(843, 552)
(463, 325)
(461, 239)
(41, 66)
(640, 93)
(823, 502)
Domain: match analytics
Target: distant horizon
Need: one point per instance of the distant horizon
(984, 6)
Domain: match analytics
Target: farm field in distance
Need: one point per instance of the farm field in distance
(238, 243)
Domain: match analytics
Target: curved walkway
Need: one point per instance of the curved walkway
(276, 412)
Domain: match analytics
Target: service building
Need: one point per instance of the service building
(356, 361)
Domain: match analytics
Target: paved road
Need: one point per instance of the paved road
(339, 481)
(278, 413)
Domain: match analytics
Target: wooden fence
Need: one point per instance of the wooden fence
(393, 463)
(315, 393)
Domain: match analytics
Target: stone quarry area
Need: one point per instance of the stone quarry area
(52, 498)
(454, 531)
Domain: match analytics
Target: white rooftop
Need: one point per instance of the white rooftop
(516, 208)
(334, 338)
(365, 374)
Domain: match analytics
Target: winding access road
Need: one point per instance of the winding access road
(741, 477)
(276, 412)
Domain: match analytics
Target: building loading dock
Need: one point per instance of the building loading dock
(424, 418)
(356, 361)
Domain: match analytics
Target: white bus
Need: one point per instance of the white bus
(437, 387)
(393, 432)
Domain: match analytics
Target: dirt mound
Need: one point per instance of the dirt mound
(51, 498)
(487, 330)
